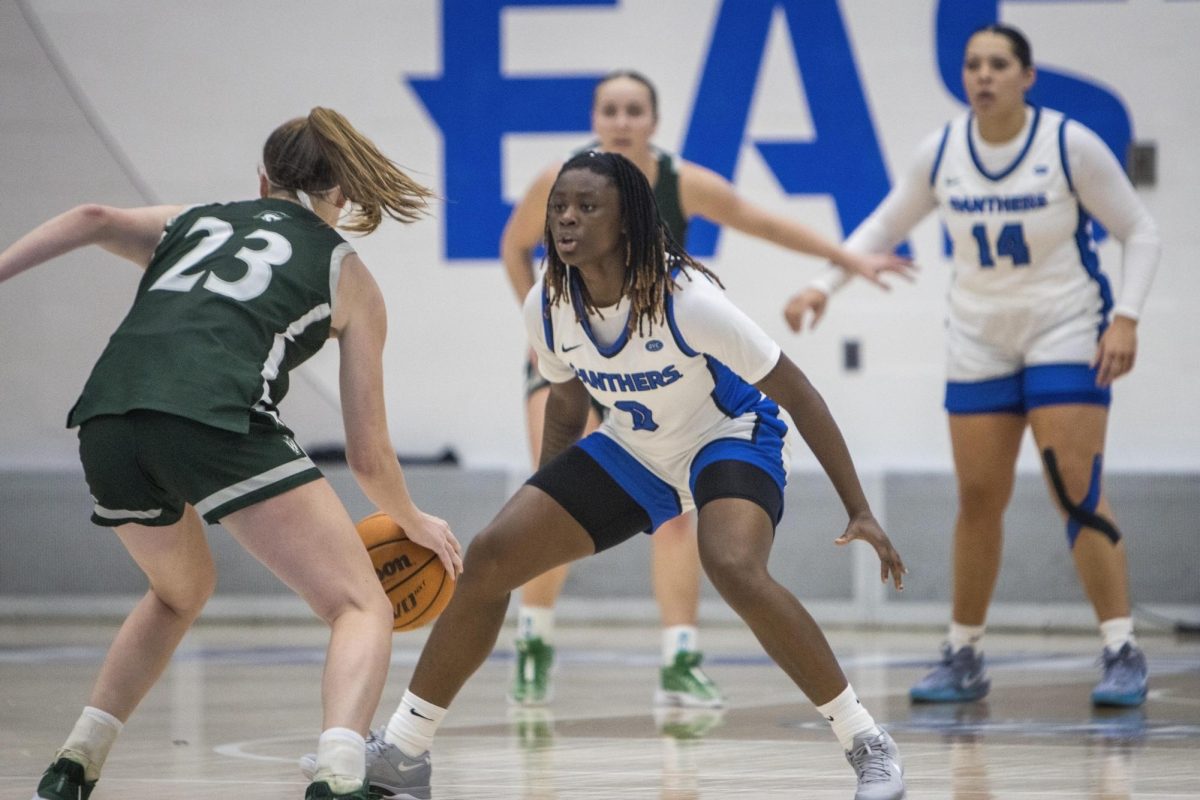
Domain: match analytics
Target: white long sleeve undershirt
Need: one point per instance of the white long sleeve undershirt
(1100, 184)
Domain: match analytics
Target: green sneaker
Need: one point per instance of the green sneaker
(687, 723)
(321, 791)
(63, 780)
(533, 726)
(531, 678)
(683, 684)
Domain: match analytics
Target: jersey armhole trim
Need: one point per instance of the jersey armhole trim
(1062, 153)
(547, 325)
(676, 334)
(335, 271)
(937, 159)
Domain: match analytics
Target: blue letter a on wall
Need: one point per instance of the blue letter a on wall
(843, 160)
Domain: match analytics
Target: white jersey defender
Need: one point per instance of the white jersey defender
(679, 395)
(1027, 286)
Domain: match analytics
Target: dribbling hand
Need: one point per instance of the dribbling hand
(866, 528)
(434, 533)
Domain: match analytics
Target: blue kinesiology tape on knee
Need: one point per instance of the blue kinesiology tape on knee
(1084, 514)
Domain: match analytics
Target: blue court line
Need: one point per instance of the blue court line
(293, 655)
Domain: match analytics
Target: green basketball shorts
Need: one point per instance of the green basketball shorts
(144, 466)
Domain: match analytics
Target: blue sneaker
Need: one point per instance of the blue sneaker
(960, 678)
(1124, 680)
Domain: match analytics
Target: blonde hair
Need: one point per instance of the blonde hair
(317, 153)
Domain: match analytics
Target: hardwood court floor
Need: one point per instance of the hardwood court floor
(239, 704)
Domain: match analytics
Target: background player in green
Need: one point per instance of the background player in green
(179, 421)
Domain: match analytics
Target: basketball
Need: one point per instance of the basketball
(413, 577)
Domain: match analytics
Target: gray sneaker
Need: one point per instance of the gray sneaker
(1123, 683)
(391, 775)
(876, 761)
(960, 678)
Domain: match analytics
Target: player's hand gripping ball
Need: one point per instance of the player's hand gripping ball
(413, 577)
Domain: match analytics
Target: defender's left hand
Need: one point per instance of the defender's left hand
(866, 528)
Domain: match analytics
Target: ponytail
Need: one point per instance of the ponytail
(317, 153)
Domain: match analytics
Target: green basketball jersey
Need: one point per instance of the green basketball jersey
(235, 296)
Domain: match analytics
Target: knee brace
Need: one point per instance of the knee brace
(1084, 514)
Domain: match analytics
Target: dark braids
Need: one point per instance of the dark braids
(651, 252)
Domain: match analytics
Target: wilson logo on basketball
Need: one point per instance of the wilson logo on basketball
(412, 576)
(393, 567)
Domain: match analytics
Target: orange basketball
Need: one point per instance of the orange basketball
(413, 577)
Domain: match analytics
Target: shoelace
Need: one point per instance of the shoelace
(1119, 665)
(871, 761)
(376, 744)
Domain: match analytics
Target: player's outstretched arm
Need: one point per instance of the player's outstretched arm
(789, 387)
(708, 194)
(361, 328)
(131, 233)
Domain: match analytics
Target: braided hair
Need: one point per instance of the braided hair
(650, 251)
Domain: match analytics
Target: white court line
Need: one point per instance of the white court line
(238, 749)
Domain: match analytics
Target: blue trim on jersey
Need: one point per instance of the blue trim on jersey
(577, 301)
(659, 500)
(1064, 384)
(547, 325)
(676, 334)
(937, 160)
(1090, 259)
(764, 451)
(993, 396)
(732, 394)
(1062, 154)
(1034, 386)
(1004, 173)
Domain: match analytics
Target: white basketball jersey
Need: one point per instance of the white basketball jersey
(671, 389)
(1019, 235)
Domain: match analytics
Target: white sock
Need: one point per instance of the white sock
(1116, 632)
(341, 760)
(678, 639)
(848, 717)
(961, 636)
(90, 740)
(413, 725)
(535, 622)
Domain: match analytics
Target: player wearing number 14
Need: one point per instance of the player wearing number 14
(1035, 337)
